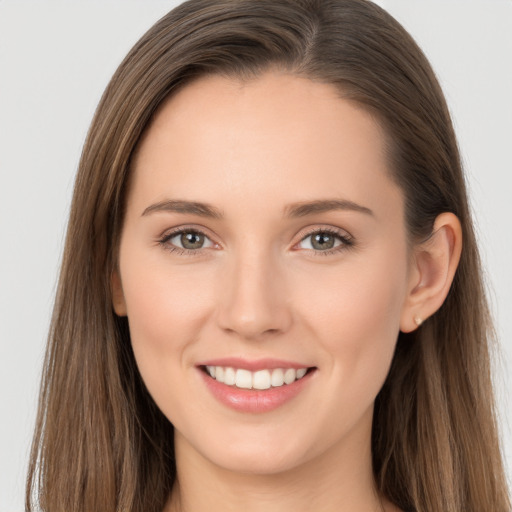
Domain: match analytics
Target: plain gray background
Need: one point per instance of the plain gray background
(56, 59)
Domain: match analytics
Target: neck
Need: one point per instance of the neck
(338, 481)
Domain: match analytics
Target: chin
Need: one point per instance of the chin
(257, 461)
(252, 452)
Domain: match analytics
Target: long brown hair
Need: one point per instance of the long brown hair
(100, 442)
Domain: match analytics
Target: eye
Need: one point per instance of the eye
(326, 241)
(186, 240)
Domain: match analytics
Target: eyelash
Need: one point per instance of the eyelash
(346, 241)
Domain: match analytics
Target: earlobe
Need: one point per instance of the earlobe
(435, 263)
(118, 302)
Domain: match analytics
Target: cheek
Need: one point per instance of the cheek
(356, 312)
(165, 309)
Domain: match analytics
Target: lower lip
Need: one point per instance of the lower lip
(255, 400)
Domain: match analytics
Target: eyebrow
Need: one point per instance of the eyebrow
(181, 206)
(323, 205)
(294, 210)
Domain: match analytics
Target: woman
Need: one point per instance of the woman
(271, 294)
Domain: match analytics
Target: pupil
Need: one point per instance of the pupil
(323, 241)
(192, 240)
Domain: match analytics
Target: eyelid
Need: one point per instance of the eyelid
(325, 229)
(346, 239)
(167, 235)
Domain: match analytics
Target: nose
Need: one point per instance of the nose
(253, 299)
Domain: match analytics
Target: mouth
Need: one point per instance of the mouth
(258, 385)
(263, 379)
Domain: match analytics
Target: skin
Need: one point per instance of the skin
(259, 288)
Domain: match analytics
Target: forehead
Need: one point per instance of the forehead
(275, 134)
(271, 103)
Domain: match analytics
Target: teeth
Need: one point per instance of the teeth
(262, 379)
(229, 377)
(301, 372)
(243, 379)
(277, 378)
(289, 375)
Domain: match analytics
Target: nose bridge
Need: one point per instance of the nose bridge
(253, 293)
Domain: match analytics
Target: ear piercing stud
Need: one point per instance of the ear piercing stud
(418, 320)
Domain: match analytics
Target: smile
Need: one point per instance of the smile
(257, 386)
(261, 379)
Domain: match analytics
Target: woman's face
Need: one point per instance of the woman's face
(263, 238)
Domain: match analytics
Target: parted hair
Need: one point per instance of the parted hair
(101, 443)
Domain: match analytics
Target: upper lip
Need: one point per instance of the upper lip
(253, 365)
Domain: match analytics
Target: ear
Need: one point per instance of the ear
(118, 302)
(432, 270)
